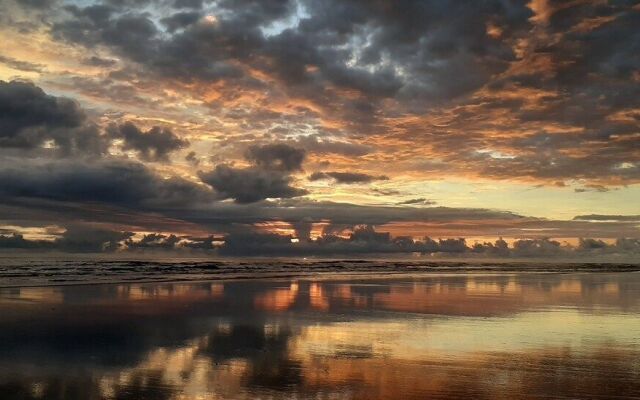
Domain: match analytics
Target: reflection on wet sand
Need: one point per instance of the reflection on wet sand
(436, 336)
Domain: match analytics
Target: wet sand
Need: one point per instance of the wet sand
(499, 335)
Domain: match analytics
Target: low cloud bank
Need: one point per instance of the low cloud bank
(363, 240)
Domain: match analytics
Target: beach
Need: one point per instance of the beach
(442, 334)
(319, 199)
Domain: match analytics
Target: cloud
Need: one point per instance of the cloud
(17, 241)
(360, 239)
(491, 90)
(199, 243)
(75, 239)
(363, 240)
(87, 239)
(346, 177)
(21, 65)
(356, 46)
(154, 144)
(192, 158)
(536, 247)
(38, 4)
(181, 20)
(255, 243)
(386, 192)
(366, 240)
(600, 217)
(421, 201)
(268, 177)
(442, 221)
(248, 185)
(493, 93)
(583, 74)
(153, 241)
(100, 62)
(194, 4)
(591, 244)
(29, 119)
(116, 182)
(190, 53)
(276, 156)
(313, 144)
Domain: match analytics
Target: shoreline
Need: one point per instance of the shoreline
(324, 275)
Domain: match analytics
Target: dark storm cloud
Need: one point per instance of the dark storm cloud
(358, 78)
(591, 78)
(475, 221)
(257, 12)
(193, 4)
(248, 185)
(32, 120)
(552, 165)
(375, 51)
(29, 118)
(276, 156)
(237, 221)
(184, 214)
(268, 177)
(302, 229)
(76, 239)
(295, 211)
(363, 240)
(197, 52)
(123, 183)
(17, 241)
(367, 240)
(180, 20)
(354, 45)
(154, 144)
(591, 244)
(133, 34)
(409, 34)
(154, 241)
(346, 177)
(609, 50)
(38, 4)
(88, 239)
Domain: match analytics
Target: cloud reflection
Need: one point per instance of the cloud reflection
(440, 335)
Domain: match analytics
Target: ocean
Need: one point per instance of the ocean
(318, 330)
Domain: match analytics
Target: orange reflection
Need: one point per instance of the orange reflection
(507, 336)
(277, 300)
(317, 298)
(445, 295)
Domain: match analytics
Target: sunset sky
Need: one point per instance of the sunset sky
(474, 119)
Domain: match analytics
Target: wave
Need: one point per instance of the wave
(58, 272)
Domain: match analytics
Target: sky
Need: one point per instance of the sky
(195, 124)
